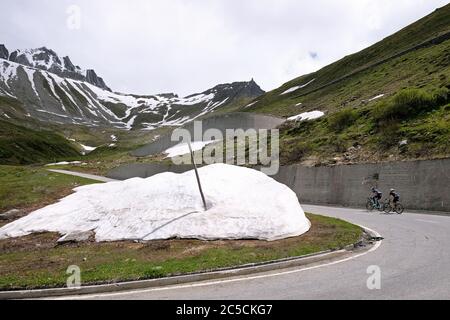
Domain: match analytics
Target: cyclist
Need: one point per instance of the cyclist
(376, 196)
(395, 196)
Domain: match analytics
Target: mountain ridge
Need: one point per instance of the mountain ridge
(52, 89)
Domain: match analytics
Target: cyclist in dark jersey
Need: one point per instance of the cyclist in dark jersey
(395, 196)
(376, 196)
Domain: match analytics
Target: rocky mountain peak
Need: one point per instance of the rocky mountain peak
(92, 78)
(4, 53)
(47, 59)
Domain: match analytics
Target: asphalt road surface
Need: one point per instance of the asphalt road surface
(413, 262)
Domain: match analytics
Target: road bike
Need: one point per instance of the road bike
(372, 205)
(389, 207)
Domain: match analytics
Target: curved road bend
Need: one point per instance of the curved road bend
(414, 260)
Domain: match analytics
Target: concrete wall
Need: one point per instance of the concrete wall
(421, 184)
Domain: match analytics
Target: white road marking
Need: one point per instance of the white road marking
(216, 282)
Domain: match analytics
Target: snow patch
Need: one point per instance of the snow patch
(183, 148)
(251, 104)
(307, 116)
(30, 73)
(199, 98)
(297, 87)
(376, 97)
(88, 148)
(63, 163)
(242, 204)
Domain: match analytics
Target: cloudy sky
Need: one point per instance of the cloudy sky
(187, 46)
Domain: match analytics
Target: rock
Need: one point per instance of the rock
(68, 64)
(11, 214)
(47, 59)
(76, 236)
(92, 78)
(4, 53)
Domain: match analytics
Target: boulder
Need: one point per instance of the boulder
(76, 236)
(11, 214)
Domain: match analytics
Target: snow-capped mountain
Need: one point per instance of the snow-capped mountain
(48, 60)
(51, 88)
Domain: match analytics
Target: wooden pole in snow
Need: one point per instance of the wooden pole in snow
(198, 177)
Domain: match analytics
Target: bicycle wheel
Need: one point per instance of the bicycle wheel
(399, 208)
(369, 205)
(387, 208)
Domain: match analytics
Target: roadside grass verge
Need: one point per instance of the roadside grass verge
(36, 261)
(29, 188)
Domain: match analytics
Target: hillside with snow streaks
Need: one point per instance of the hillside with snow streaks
(51, 89)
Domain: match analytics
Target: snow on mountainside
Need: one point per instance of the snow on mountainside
(52, 89)
(46, 59)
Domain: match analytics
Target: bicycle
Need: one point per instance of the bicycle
(397, 207)
(371, 205)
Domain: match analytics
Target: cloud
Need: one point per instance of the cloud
(186, 46)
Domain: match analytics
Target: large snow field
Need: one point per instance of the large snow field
(242, 204)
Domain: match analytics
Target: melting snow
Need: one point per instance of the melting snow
(251, 104)
(62, 163)
(183, 148)
(199, 98)
(243, 204)
(30, 73)
(53, 113)
(87, 148)
(376, 97)
(8, 71)
(307, 116)
(297, 87)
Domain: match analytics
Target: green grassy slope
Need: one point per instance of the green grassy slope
(20, 145)
(405, 60)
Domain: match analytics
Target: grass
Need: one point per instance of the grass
(30, 188)
(37, 262)
(410, 103)
(21, 145)
(373, 133)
